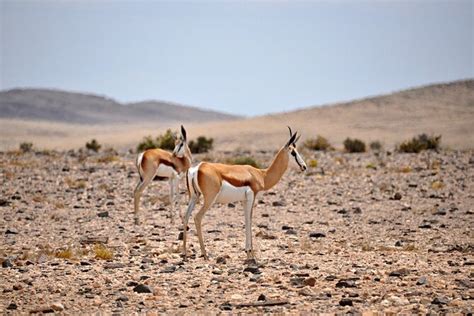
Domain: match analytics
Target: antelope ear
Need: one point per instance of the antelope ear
(183, 132)
(291, 141)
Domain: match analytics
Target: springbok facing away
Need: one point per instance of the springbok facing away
(158, 162)
(223, 183)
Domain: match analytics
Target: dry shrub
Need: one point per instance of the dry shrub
(419, 143)
(313, 163)
(26, 147)
(436, 185)
(165, 141)
(108, 158)
(243, 160)
(319, 143)
(375, 145)
(93, 145)
(102, 252)
(405, 169)
(354, 145)
(64, 253)
(201, 145)
(75, 184)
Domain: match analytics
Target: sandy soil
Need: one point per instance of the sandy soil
(357, 233)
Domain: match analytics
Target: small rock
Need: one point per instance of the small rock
(122, 298)
(85, 263)
(398, 243)
(12, 306)
(310, 281)
(440, 212)
(278, 203)
(132, 283)
(397, 196)
(465, 283)
(298, 282)
(286, 227)
(422, 281)
(346, 283)
(330, 278)
(399, 273)
(262, 297)
(440, 300)
(291, 232)
(221, 260)
(231, 205)
(180, 236)
(114, 265)
(142, 288)
(252, 269)
(57, 306)
(226, 306)
(103, 214)
(7, 263)
(425, 226)
(357, 210)
(169, 269)
(11, 232)
(345, 302)
(317, 235)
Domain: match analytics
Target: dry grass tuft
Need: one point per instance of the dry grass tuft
(108, 158)
(102, 252)
(313, 163)
(64, 254)
(75, 184)
(436, 185)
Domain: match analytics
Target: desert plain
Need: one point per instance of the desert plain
(363, 233)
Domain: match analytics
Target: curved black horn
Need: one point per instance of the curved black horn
(291, 133)
(183, 132)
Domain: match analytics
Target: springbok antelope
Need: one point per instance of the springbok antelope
(221, 183)
(158, 162)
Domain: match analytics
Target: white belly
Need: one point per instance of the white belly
(166, 171)
(230, 193)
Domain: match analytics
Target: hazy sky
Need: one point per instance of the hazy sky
(244, 57)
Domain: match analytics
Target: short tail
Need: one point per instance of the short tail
(139, 165)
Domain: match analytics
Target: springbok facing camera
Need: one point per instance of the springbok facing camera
(158, 162)
(223, 183)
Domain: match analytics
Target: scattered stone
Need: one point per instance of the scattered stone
(85, 263)
(4, 203)
(465, 283)
(132, 283)
(142, 288)
(221, 259)
(114, 265)
(231, 205)
(11, 231)
(122, 298)
(397, 196)
(103, 214)
(7, 263)
(12, 306)
(57, 306)
(425, 225)
(226, 306)
(399, 273)
(252, 269)
(310, 281)
(169, 269)
(291, 232)
(346, 283)
(181, 236)
(278, 203)
(286, 227)
(261, 297)
(440, 300)
(317, 235)
(330, 278)
(345, 302)
(422, 281)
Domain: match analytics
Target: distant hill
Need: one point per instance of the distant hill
(446, 109)
(71, 107)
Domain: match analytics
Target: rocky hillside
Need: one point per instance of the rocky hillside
(71, 107)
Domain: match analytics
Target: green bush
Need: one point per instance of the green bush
(201, 145)
(419, 143)
(376, 145)
(354, 145)
(319, 143)
(93, 145)
(165, 141)
(243, 161)
(26, 147)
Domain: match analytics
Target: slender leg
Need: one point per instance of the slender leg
(198, 221)
(172, 197)
(137, 195)
(248, 210)
(192, 204)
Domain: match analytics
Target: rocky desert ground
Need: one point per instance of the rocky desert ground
(357, 233)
